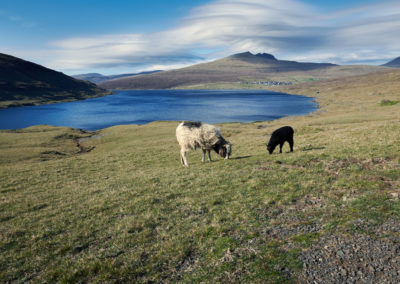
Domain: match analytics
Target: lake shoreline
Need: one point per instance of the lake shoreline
(142, 107)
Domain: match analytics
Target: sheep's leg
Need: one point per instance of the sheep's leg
(183, 158)
(280, 148)
(209, 155)
(291, 145)
(204, 155)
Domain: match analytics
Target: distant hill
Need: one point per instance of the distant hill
(239, 69)
(395, 63)
(98, 78)
(26, 83)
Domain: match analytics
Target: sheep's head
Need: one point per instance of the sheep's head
(225, 150)
(270, 148)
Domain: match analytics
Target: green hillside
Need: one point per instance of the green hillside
(116, 206)
(26, 83)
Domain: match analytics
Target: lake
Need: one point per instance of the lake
(144, 106)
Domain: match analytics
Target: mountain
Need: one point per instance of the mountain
(239, 70)
(98, 78)
(395, 63)
(26, 83)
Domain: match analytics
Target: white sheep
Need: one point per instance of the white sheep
(193, 135)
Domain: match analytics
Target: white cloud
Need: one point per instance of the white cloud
(17, 20)
(287, 28)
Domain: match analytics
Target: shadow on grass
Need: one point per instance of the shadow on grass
(238, 158)
(312, 148)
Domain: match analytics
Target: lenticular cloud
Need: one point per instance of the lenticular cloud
(287, 28)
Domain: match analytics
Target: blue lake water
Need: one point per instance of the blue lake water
(144, 106)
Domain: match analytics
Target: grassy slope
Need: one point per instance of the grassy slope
(126, 210)
(233, 70)
(25, 83)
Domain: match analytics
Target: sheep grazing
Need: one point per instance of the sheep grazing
(280, 136)
(193, 135)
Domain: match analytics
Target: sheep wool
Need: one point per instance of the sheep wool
(193, 135)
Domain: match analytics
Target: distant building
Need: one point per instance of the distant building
(269, 83)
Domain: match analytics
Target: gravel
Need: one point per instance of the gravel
(366, 253)
(354, 258)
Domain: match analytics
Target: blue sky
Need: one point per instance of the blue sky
(118, 36)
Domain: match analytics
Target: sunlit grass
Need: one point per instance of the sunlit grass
(121, 208)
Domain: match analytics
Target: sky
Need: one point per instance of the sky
(113, 37)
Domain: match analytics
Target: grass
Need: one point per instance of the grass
(389, 103)
(120, 208)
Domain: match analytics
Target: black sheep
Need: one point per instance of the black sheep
(279, 137)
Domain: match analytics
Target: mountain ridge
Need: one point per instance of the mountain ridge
(395, 63)
(98, 78)
(250, 56)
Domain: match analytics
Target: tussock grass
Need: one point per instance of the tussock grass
(389, 103)
(120, 208)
